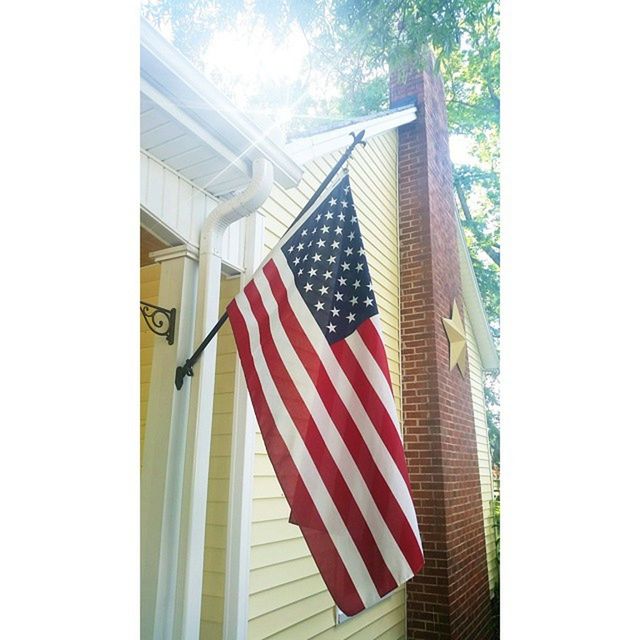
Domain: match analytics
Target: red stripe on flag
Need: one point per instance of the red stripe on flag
(382, 421)
(383, 496)
(331, 475)
(372, 338)
(332, 569)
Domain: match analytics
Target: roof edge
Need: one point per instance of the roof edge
(475, 307)
(307, 148)
(173, 72)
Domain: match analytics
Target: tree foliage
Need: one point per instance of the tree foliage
(356, 42)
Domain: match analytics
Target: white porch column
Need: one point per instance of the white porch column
(198, 451)
(235, 621)
(164, 447)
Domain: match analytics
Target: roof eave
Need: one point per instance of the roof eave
(307, 148)
(176, 77)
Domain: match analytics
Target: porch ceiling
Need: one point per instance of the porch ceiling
(149, 243)
(171, 138)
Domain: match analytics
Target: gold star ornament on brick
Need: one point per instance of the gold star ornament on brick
(457, 340)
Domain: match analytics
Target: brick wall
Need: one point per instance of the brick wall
(449, 599)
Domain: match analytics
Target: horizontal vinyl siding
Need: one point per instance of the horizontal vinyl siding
(218, 494)
(287, 597)
(484, 454)
(149, 288)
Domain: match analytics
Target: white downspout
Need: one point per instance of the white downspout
(239, 206)
(198, 441)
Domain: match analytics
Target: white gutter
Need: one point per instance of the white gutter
(201, 390)
(238, 207)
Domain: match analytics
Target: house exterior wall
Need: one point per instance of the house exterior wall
(149, 287)
(484, 453)
(287, 597)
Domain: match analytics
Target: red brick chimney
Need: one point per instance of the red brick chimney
(450, 598)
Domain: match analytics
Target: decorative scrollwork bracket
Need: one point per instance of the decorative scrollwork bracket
(160, 320)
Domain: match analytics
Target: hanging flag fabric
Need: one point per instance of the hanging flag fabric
(309, 337)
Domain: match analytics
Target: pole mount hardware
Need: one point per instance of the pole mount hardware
(181, 372)
(160, 320)
(358, 139)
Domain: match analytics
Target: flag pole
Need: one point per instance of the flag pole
(187, 368)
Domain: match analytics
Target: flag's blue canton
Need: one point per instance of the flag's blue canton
(328, 263)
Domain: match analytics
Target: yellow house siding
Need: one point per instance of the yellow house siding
(149, 288)
(218, 493)
(484, 454)
(287, 597)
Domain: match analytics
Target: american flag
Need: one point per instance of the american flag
(309, 338)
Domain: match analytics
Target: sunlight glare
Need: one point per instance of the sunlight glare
(247, 52)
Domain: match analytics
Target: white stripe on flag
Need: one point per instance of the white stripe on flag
(308, 472)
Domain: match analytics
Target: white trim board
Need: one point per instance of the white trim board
(311, 147)
(473, 302)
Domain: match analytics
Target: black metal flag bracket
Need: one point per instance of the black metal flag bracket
(187, 368)
(160, 320)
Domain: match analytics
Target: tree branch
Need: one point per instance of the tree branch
(490, 251)
(492, 94)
